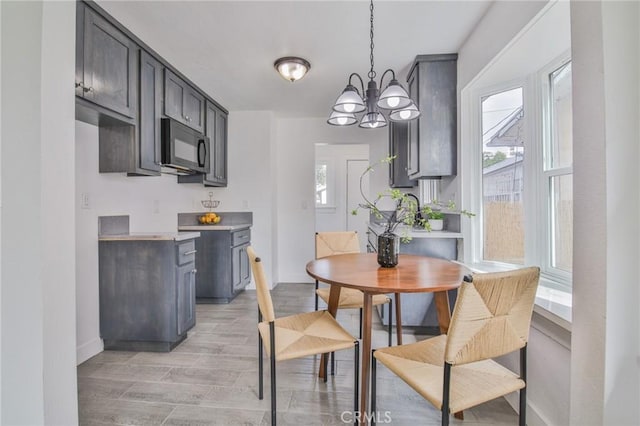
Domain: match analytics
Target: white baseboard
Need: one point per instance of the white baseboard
(89, 349)
(534, 418)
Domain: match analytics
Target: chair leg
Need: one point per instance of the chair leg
(316, 294)
(260, 367)
(360, 324)
(333, 364)
(260, 361)
(523, 392)
(390, 321)
(356, 379)
(326, 360)
(374, 366)
(272, 338)
(445, 394)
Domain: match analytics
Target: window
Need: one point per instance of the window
(325, 183)
(523, 174)
(558, 169)
(502, 177)
(321, 185)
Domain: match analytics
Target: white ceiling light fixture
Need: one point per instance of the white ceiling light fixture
(394, 98)
(292, 68)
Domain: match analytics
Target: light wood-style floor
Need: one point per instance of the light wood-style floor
(211, 378)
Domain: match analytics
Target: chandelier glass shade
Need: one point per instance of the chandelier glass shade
(394, 99)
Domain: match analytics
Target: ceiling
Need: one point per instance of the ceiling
(228, 47)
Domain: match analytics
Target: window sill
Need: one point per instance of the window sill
(551, 303)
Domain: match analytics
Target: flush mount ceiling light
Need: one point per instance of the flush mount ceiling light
(393, 98)
(292, 68)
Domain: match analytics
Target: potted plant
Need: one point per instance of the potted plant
(435, 219)
(405, 211)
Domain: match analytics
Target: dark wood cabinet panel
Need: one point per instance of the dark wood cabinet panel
(108, 66)
(223, 265)
(182, 102)
(150, 112)
(432, 137)
(217, 132)
(135, 148)
(398, 168)
(147, 299)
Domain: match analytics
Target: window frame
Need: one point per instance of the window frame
(562, 278)
(537, 177)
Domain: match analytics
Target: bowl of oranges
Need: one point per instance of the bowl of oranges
(209, 219)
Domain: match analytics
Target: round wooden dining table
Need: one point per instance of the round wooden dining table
(413, 274)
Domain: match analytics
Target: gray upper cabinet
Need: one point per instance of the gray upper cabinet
(150, 112)
(432, 148)
(398, 168)
(217, 132)
(135, 148)
(106, 72)
(182, 102)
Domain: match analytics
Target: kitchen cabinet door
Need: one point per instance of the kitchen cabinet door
(150, 113)
(398, 169)
(109, 68)
(182, 102)
(186, 297)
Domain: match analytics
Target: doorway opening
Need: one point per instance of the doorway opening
(338, 169)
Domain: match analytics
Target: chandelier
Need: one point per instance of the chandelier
(394, 98)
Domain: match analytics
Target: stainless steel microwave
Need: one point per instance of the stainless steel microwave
(184, 150)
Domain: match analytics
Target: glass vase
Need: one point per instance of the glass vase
(388, 249)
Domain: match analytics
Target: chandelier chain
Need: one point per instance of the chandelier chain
(372, 73)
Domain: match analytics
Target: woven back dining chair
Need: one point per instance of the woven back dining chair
(456, 371)
(295, 336)
(345, 242)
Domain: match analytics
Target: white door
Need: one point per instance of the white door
(358, 222)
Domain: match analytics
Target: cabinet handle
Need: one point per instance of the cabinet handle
(243, 237)
(194, 271)
(87, 89)
(81, 84)
(187, 253)
(186, 117)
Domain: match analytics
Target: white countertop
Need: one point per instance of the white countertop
(214, 227)
(402, 230)
(151, 236)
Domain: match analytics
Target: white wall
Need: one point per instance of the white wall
(38, 321)
(296, 183)
(604, 379)
(250, 153)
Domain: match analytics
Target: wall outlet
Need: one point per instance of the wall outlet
(85, 201)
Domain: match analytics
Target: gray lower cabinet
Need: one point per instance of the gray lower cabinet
(223, 265)
(106, 72)
(147, 293)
